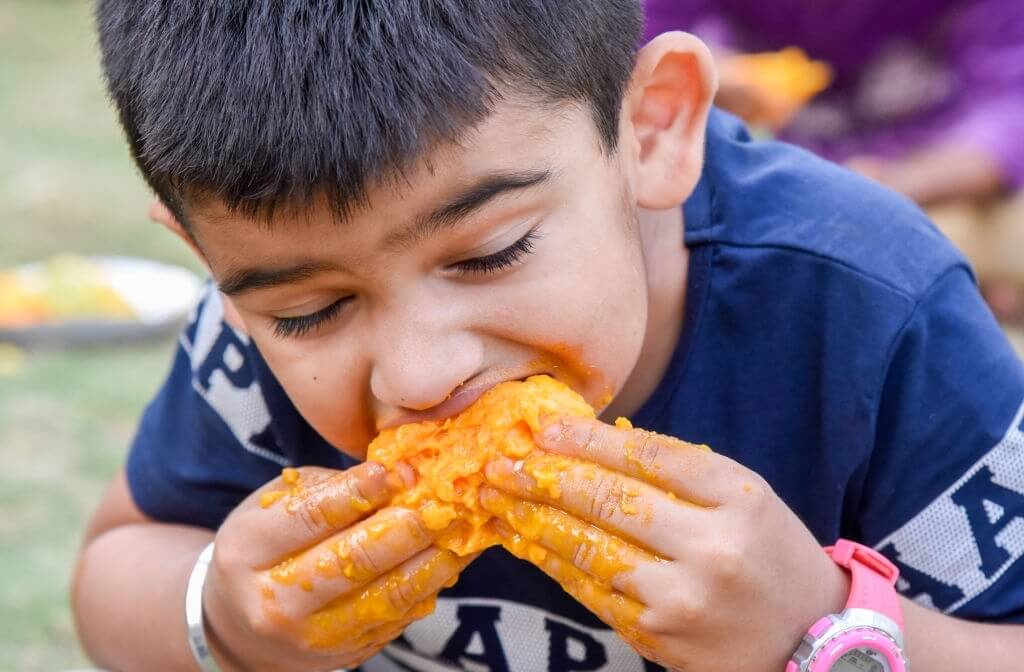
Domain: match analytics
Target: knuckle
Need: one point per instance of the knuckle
(678, 610)
(364, 560)
(334, 561)
(583, 555)
(400, 595)
(228, 558)
(415, 526)
(728, 561)
(309, 518)
(258, 623)
(690, 609)
(647, 450)
(589, 436)
(604, 497)
(364, 483)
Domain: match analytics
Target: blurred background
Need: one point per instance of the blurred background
(67, 185)
(928, 99)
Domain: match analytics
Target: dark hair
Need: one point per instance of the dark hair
(270, 102)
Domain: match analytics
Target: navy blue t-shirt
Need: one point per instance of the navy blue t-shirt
(833, 341)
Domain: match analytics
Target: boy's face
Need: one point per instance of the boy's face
(515, 254)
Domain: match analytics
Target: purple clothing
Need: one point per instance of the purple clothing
(907, 73)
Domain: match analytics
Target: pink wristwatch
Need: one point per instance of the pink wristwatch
(868, 635)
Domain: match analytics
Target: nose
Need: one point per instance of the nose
(420, 362)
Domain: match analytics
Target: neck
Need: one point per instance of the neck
(665, 258)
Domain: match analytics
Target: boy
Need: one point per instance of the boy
(403, 204)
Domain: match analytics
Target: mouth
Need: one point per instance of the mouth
(459, 400)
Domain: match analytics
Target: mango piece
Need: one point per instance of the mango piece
(449, 456)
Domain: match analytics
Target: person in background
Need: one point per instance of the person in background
(926, 97)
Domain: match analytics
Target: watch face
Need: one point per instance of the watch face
(861, 660)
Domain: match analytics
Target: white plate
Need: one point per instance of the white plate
(161, 296)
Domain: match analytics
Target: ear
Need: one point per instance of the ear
(666, 110)
(161, 214)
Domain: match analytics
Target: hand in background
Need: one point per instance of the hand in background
(936, 175)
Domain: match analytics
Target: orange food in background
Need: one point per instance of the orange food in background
(784, 80)
(449, 456)
(63, 288)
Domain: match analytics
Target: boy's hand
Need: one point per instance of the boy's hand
(691, 557)
(311, 573)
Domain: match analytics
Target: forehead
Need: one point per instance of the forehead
(515, 137)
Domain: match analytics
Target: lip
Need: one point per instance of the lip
(458, 401)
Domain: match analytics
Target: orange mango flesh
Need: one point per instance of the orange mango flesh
(449, 456)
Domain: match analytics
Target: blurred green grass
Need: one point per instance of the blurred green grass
(66, 184)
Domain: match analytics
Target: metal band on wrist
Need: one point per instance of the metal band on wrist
(194, 612)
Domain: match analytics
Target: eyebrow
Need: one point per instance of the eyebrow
(248, 279)
(456, 209)
(464, 203)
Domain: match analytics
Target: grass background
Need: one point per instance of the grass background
(66, 184)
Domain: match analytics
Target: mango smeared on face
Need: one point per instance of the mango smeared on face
(449, 456)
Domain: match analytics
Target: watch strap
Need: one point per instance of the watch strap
(873, 579)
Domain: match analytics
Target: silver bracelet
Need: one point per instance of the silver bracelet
(194, 612)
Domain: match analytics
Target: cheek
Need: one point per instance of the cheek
(606, 309)
(585, 310)
(323, 381)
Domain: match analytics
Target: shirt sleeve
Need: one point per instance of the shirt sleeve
(205, 442)
(944, 492)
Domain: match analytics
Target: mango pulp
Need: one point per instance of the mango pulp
(449, 456)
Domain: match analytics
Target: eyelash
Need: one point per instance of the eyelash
(501, 259)
(285, 327)
(295, 327)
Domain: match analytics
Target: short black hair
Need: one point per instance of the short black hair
(270, 102)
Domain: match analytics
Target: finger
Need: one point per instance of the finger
(303, 507)
(383, 634)
(624, 506)
(404, 592)
(619, 611)
(608, 560)
(687, 470)
(350, 559)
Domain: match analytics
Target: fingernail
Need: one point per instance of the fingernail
(502, 528)
(553, 432)
(498, 469)
(402, 476)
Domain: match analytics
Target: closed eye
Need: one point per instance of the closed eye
(500, 260)
(300, 325)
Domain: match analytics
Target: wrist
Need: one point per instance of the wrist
(825, 591)
(222, 653)
(209, 651)
(867, 633)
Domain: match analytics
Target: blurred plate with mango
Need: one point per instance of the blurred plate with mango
(69, 300)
